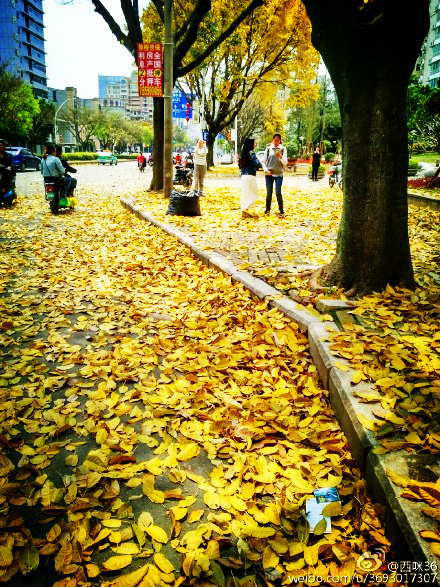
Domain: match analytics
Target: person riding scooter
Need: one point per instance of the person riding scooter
(142, 161)
(7, 176)
(70, 182)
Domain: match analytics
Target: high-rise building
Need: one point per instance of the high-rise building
(428, 64)
(121, 93)
(22, 41)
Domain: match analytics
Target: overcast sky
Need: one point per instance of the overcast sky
(79, 46)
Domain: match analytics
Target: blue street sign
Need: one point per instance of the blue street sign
(205, 135)
(179, 105)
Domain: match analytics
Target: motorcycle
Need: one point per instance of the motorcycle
(183, 176)
(8, 195)
(141, 166)
(55, 194)
(335, 177)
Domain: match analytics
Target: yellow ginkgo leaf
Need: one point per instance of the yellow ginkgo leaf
(115, 563)
(157, 533)
(163, 563)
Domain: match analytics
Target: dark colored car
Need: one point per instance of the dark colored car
(23, 158)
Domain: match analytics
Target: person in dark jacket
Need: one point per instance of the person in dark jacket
(70, 181)
(249, 164)
(316, 162)
(6, 167)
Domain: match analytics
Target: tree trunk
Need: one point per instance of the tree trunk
(370, 54)
(210, 142)
(158, 110)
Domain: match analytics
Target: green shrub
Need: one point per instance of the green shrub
(329, 156)
(413, 164)
(81, 156)
(125, 156)
(321, 169)
(418, 147)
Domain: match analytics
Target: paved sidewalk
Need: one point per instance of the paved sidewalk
(270, 251)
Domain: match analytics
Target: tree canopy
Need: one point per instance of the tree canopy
(185, 36)
(271, 46)
(17, 105)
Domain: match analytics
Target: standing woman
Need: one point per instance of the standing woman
(199, 158)
(249, 166)
(316, 162)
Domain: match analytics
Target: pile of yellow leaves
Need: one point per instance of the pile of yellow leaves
(397, 349)
(158, 426)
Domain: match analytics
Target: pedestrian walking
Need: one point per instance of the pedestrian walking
(199, 158)
(316, 162)
(249, 164)
(273, 163)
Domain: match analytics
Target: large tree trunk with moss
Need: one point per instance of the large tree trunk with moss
(370, 50)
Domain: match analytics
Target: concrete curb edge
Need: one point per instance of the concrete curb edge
(344, 403)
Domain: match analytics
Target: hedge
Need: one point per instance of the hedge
(80, 156)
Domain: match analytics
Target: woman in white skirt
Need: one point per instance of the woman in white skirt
(249, 164)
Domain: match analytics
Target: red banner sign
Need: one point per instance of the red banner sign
(150, 69)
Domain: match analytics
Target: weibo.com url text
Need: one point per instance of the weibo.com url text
(369, 578)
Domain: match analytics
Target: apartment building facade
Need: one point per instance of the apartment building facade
(22, 42)
(120, 93)
(428, 64)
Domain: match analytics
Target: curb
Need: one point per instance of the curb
(424, 201)
(403, 519)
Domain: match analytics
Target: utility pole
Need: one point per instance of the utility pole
(168, 100)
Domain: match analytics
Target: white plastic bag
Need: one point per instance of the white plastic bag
(249, 191)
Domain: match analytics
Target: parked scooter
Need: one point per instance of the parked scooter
(183, 176)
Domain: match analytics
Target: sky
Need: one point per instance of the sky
(79, 46)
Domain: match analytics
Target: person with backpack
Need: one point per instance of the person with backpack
(248, 163)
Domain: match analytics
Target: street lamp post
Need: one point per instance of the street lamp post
(301, 148)
(56, 114)
(168, 100)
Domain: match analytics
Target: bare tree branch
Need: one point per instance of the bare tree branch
(181, 71)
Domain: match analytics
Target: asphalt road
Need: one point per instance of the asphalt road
(119, 177)
(125, 176)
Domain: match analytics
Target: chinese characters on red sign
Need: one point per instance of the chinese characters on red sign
(150, 69)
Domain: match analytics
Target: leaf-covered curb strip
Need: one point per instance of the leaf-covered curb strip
(158, 426)
(398, 350)
(422, 491)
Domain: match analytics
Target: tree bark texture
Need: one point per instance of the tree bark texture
(370, 51)
(157, 179)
